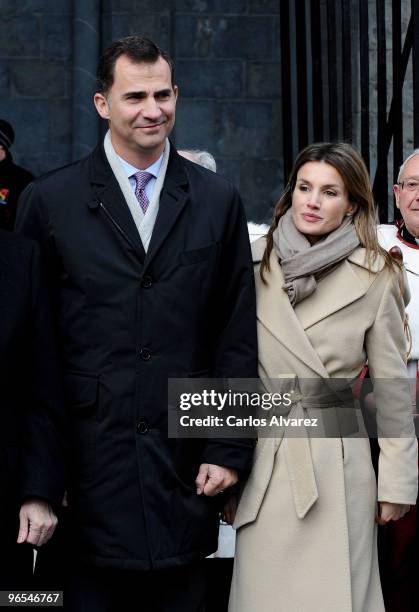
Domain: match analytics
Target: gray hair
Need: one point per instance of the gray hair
(202, 158)
(415, 152)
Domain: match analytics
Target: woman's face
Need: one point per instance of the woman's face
(319, 201)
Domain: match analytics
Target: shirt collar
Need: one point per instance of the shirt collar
(406, 235)
(130, 170)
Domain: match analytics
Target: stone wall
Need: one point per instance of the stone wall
(228, 68)
(227, 62)
(35, 79)
(229, 79)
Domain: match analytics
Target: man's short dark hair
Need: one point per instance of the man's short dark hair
(137, 49)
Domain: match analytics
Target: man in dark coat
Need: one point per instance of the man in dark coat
(150, 265)
(31, 410)
(13, 178)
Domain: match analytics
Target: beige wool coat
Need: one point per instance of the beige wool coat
(306, 535)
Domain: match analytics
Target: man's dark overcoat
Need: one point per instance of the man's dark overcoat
(31, 407)
(129, 321)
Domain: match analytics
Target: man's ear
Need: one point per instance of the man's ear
(176, 91)
(102, 105)
(396, 191)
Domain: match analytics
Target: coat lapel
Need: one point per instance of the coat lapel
(173, 198)
(107, 191)
(275, 312)
(339, 289)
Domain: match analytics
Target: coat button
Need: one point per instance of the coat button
(146, 281)
(145, 354)
(142, 426)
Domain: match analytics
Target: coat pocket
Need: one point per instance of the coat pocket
(81, 390)
(197, 255)
(199, 374)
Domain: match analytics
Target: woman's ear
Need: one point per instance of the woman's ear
(352, 208)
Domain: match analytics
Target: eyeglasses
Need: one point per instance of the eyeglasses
(409, 185)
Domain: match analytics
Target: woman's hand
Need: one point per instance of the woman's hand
(391, 512)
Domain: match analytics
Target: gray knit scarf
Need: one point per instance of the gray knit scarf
(303, 264)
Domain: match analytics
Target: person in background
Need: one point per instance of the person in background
(328, 299)
(202, 158)
(13, 178)
(31, 411)
(150, 266)
(398, 542)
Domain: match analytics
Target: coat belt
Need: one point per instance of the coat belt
(297, 449)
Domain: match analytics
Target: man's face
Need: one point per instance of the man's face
(140, 107)
(407, 201)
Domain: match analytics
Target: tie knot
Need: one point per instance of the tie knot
(142, 178)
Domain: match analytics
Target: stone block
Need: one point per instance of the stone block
(156, 27)
(40, 164)
(38, 78)
(268, 7)
(230, 169)
(195, 125)
(246, 130)
(210, 79)
(136, 7)
(60, 127)
(9, 7)
(55, 7)
(261, 186)
(211, 6)
(194, 36)
(56, 40)
(4, 80)
(263, 79)
(31, 7)
(224, 37)
(244, 37)
(19, 36)
(30, 122)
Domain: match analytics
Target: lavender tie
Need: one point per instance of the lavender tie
(141, 179)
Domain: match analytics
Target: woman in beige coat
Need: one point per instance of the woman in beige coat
(329, 299)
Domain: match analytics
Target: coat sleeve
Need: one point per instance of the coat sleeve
(386, 351)
(43, 452)
(32, 220)
(234, 330)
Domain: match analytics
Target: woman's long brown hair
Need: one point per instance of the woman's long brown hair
(347, 161)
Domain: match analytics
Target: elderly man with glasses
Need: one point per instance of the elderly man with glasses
(405, 234)
(399, 551)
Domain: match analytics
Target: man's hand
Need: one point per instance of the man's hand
(213, 479)
(391, 512)
(37, 522)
